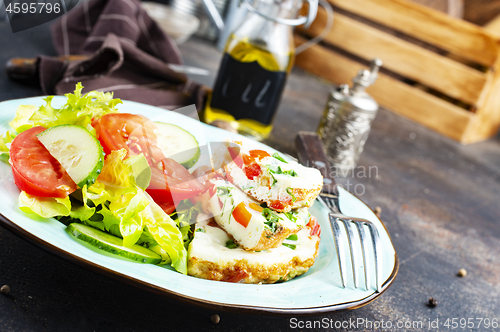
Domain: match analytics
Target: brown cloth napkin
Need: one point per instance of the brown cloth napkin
(125, 52)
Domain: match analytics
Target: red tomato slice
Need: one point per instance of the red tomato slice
(35, 170)
(132, 132)
(171, 177)
(170, 181)
(241, 214)
(168, 207)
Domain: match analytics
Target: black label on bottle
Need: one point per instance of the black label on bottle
(247, 91)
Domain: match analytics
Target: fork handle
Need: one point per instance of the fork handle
(311, 153)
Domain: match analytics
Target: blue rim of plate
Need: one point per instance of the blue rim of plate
(240, 308)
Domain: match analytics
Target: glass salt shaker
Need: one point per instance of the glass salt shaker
(347, 119)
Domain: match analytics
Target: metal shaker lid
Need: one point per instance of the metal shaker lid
(356, 96)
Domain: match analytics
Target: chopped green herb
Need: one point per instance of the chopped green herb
(201, 230)
(292, 215)
(231, 245)
(272, 171)
(280, 158)
(272, 219)
(185, 213)
(290, 192)
(277, 170)
(292, 237)
(291, 246)
(223, 191)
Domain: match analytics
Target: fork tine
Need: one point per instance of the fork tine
(354, 260)
(339, 247)
(363, 238)
(329, 202)
(377, 251)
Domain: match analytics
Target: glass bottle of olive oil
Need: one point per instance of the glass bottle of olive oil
(257, 58)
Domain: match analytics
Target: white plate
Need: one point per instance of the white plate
(317, 291)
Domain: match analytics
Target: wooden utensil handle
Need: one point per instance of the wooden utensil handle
(311, 153)
(23, 69)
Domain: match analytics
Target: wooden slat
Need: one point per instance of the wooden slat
(438, 72)
(487, 120)
(493, 26)
(457, 36)
(401, 98)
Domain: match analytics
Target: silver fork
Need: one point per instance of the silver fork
(311, 153)
(336, 217)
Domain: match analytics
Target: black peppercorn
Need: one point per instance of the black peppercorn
(432, 302)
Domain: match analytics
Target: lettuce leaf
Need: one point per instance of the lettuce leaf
(5, 140)
(128, 210)
(46, 207)
(22, 120)
(78, 110)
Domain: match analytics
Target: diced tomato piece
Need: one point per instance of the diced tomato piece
(278, 205)
(259, 154)
(241, 214)
(314, 226)
(253, 155)
(247, 160)
(252, 171)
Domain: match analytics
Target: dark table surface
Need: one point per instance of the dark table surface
(439, 201)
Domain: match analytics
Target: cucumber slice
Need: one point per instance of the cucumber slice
(177, 143)
(77, 150)
(112, 244)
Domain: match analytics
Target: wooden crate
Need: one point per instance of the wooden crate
(455, 91)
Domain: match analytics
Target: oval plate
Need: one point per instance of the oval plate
(318, 291)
